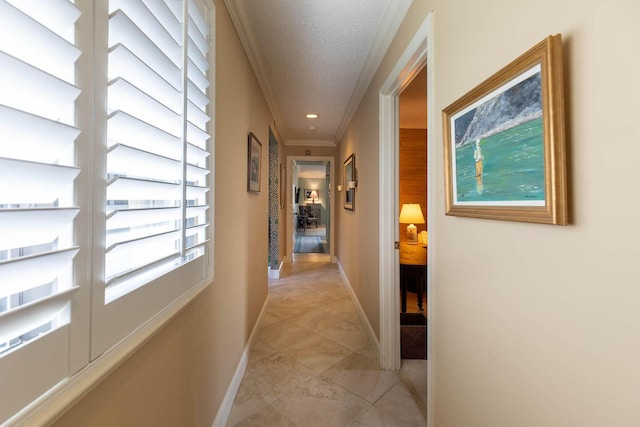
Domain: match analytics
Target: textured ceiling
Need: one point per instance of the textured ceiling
(315, 56)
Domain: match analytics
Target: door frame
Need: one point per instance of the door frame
(330, 194)
(418, 54)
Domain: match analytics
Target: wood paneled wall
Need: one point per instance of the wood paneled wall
(413, 173)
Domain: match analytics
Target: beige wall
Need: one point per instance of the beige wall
(357, 232)
(532, 325)
(180, 376)
(538, 325)
(300, 150)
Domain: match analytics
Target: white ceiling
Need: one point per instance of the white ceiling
(315, 56)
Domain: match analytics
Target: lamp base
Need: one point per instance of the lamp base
(412, 234)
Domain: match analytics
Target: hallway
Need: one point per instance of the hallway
(313, 365)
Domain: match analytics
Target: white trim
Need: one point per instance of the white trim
(311, 142)
(410, 63)
(373, 339)
(275, 273)
(55, 402)
(227, 402)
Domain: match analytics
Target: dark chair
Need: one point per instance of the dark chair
(302, 218)
(310, 218)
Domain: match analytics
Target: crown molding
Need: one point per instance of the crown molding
(395, 13)
(242, 24)
(311, 142)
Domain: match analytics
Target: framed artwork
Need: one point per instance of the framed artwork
(254, 164)
(504, 142)
(349, 183)
(309, 193)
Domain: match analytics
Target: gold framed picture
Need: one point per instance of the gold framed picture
(504, 142)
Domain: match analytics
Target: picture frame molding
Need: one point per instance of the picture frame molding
(349, 169)
(254, 163)
(548, 54)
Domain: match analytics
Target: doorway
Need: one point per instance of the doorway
(310, 209)
(416, 56)
(413, 233)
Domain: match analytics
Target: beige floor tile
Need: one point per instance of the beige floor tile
(362, 376)
(320, 402)
(260, 350)
(273, 376)
(266, 417)
(414, 374)
(270, 319)
(316, 321)
(283, 334)
(312, 362)
(247, 403)
(375, 417)
(317, 353)
(348, 333)
(399, 403)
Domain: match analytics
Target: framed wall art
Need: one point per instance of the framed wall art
(504, 142)
(350, 182)
(254, 164)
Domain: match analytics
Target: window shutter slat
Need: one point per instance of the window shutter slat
(197, 15)
(131, 162)
(28, 182)
(22, 274)
(136, 133)
(29, 137)
(57, 15)
(134, 217)
(125, 64)
(197, 116)
(163, 14)
(28, 227)
(138, 189)
(46, 50)
(197, 96)
(147, 23)
(30, 316)
(123, 96)
(22, 86)
(122, 30)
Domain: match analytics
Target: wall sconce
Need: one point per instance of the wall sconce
(411, 214)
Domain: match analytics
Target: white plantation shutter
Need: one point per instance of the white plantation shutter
(37, 196)
(157, 162)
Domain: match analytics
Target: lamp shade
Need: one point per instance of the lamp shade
(314, 194)
(411, 213)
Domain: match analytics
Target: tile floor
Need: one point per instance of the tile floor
(313, 365)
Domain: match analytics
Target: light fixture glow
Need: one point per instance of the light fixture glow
(311, 116)
(411, 214)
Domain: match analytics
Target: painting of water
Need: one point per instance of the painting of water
(499, 146)
(513, 167)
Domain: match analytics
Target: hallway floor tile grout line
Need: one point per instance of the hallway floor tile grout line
(313, 365)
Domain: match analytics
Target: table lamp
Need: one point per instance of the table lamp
(411, 214)
(314, 196)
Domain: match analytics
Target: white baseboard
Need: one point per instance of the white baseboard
(361, 314)
(275, 273)
(227, 402)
